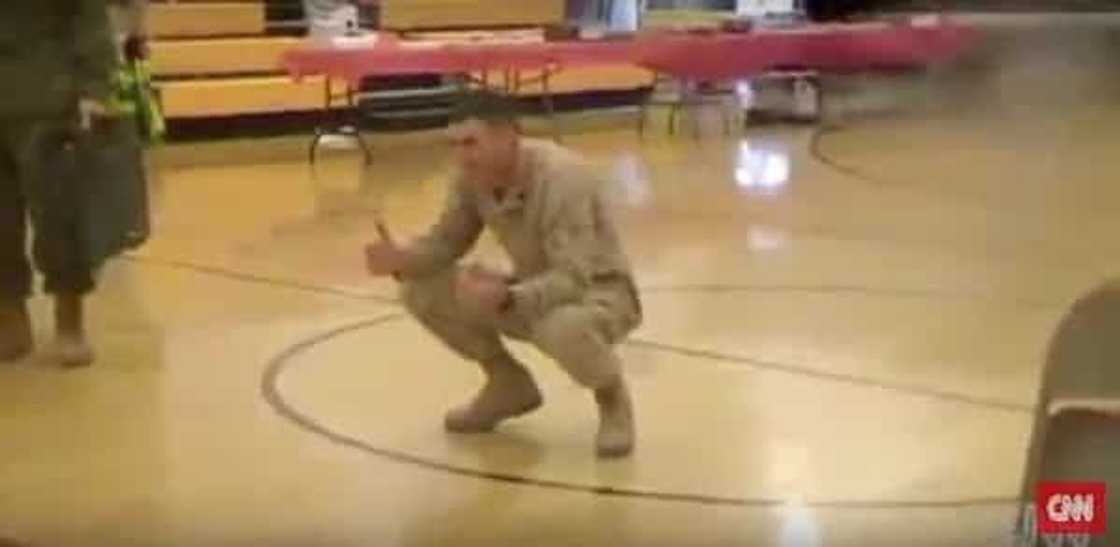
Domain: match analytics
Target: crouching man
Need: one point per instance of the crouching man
(571, 293)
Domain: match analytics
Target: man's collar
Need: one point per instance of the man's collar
(515, 196)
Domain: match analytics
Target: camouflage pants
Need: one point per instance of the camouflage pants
(579, 336)
(26, 191)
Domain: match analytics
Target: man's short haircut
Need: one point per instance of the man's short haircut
(488, 107)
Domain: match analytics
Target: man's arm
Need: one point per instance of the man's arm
(449, 239)
(94, 52)
(570, 246)
(137, 18)
(130, 18)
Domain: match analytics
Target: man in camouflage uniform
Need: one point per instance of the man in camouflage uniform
(571, 293)
(56, 61)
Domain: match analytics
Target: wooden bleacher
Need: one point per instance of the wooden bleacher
(201, 19)
(215, 59)
(426, 14)
(220, 56)
(214, 98)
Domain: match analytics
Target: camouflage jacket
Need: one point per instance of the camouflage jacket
(556, 229)
(53, 52)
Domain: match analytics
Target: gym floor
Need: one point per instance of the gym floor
(844, 332)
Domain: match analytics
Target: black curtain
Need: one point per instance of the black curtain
(833, 10)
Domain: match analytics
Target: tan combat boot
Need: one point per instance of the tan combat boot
(509, 392)
(616, 421)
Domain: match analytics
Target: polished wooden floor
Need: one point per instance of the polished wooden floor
(844, 334)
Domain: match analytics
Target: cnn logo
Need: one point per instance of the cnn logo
(1071, 507)
(1067, 508)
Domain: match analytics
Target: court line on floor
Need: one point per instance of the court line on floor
(930, 294)
(237, 275)
(271, 393)
(816, 151)
(835, 377)
(303, 286)
(795, 370)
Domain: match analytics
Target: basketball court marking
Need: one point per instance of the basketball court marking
(271, 394)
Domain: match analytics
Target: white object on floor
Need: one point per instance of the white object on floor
(806, 99)
(339, 142)
(763, 8)
(925, 20)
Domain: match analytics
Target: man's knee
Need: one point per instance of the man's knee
(422, 296)
(578, 339)
(431, 301)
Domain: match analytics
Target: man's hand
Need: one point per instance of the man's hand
(89, 111)
(136, 48)
(481, 288)
(385, 257)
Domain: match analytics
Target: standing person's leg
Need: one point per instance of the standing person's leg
(509, 390)
(581, 338)
(15, 270)
(73, 348)
(59, 244)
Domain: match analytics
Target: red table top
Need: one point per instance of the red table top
(834, 47)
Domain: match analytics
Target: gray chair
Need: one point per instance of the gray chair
(1076, 433)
